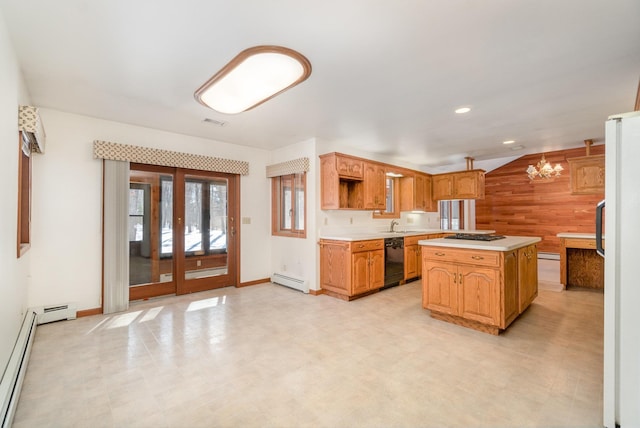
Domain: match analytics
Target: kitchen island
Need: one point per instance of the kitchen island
(483, 285)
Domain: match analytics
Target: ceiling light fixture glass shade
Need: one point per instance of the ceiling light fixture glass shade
(544, 170)
(254, 76)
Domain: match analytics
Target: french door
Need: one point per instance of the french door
(182, 231)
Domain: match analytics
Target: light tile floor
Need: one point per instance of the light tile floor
(268, 356)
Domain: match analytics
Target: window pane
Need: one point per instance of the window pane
(150, 228)
(288, 200)
(389, 196)
(166, 215)
(136, 202)
(193, 217)
(455, 215)
(444, 215)
(299, 202)
(286, 203)
(136, 228)
(218, 216)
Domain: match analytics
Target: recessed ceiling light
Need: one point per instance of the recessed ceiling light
(508, 142)
(254, 76)
(463, 110)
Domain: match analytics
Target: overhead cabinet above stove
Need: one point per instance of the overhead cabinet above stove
(459, 185)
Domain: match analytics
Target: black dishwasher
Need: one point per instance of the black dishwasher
(393, 261)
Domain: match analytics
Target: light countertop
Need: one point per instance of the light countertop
(364, 236)
(507, 244)
(577, 235)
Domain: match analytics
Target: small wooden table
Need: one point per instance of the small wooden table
(580, 265)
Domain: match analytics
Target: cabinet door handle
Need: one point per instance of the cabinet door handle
(440, 254)
(361, 246)
(460, 280)
(477, 257)
(454, 278)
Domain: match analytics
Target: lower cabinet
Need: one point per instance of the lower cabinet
(464, 291)
(350, 269)
(483, 290)
(527, 276)
(413, 255)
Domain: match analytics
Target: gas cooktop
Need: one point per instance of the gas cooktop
(475, 237)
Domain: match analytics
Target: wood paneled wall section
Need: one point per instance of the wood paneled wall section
(514, 205)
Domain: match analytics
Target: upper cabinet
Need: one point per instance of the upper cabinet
(348, 167)
(587, 175)
(459, 185)
(415, 193)
(352, 183)
(374, 186)
(341, 182)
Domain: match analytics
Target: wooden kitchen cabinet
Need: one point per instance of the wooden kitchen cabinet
(375, 186)
(341, 182)
(587, 174)
(335, 266)
(480, 289)
(413, 255)
(459, 289)
(415, 193)
(459, 185)
(349, 167)
(527, 276)
(351, 269)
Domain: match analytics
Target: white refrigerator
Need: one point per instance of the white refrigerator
(621, 391)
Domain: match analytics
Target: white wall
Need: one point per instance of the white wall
(67, 199)
(297, 256)
(14, 272)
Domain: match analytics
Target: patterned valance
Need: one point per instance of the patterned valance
(124, 152)
(29, 121)
(290, 167)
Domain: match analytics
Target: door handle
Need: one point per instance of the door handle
(599, 208)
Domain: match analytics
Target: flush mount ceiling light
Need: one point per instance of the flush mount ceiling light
(463, 110)
(254, 76)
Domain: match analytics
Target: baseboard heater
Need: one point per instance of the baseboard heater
(11, 382)
(548, 256)
(291, 282)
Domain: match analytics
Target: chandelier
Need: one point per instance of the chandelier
(544, 170)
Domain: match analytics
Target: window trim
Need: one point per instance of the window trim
(276, 213)
(396, 201)
(25, 168)
(450, 203)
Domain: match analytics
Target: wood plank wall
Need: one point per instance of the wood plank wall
(513, 205)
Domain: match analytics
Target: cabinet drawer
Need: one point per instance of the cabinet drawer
(377, 244)
(589, 244)
(472, 257)
(413, 240)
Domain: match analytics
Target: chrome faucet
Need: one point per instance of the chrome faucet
(393, 223)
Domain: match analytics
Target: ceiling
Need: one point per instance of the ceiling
(387, 75)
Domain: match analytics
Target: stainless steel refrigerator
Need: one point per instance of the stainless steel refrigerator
(622, 271)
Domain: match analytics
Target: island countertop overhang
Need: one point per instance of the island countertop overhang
(507, 244)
